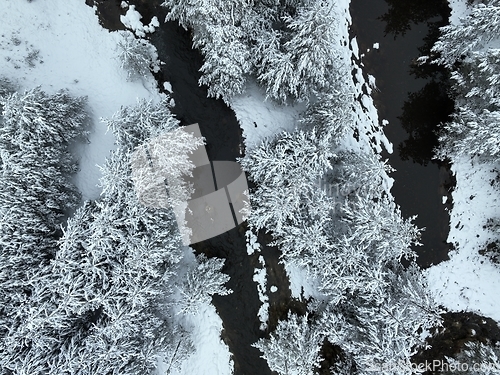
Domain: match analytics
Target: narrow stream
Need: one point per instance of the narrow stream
(219, 126)
(414, 101)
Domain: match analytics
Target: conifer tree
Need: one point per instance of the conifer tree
(137, 56)
(471, 34)
(293, 348)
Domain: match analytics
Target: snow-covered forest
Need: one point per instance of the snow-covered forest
(106, 291)
(92, 281)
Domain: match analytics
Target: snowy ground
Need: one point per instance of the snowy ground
(211, 355)
(59, 44)
(260, 118)
(458, 10)
(469, 281)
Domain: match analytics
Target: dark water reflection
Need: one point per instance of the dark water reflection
(458, 328)
(402, 15)
(420, 113)
(414, 104)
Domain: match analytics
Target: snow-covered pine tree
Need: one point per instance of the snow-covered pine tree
(293, 348)
(474, 129)
(286, 170)
(476, 81)
(137, 56)
(290, 45)
(227, 60)
(471, 34)
(306, 56)
(362, 173)
(196, 14)
(331, 114)
(378, 224)
(135, 125)
(218, 33)
(472, 134)
(199, 284)
(112, 279)
(381, 319)
(389, 331)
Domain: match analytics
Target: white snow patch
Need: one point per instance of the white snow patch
(301, 283)
(376, 45)
(211, 354)
(367, 101)
(260, 118)
(132, 20)
(469, 281)
(260, 277)
(459, 10)
(354, 47)
(124, 5)
(359, 77)
(167, 86)
(371, 135)
(444, 199)
(372, 83)
(274, 289)
(74, 53)
(252, 243)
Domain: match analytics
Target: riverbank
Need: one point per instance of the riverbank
(470, 281)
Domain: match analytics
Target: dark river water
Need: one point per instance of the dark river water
(414, 101)
(418, 187)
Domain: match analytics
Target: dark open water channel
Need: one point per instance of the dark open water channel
(414, 101)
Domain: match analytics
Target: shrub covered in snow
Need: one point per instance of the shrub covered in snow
(137, 56)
